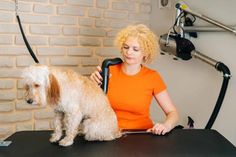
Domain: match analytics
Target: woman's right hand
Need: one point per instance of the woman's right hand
(96, 76)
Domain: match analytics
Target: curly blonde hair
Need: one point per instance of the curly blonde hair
(146, 38)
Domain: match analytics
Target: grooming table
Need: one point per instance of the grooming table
(179, 142)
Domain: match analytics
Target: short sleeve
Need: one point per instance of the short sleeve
(158, 83)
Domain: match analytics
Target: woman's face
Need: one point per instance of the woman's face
(132, 52)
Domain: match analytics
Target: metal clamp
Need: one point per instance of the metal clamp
(5, 143)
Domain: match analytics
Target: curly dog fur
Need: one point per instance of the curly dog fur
(79, 104)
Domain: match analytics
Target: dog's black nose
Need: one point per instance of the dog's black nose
(29, 101)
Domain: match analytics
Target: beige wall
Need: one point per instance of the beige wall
(194, 85)
(75, 34)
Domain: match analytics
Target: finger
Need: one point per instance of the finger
(99, 82)
(94, 78)
(99, 69)
(154, 130)
(98, 75)
(159, 132)
(164, 132)
(158, 129)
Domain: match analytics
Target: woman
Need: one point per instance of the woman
(132, 85)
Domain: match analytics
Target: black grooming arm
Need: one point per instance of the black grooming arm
(105, 71)
(26, 41)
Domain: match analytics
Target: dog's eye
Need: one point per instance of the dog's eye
(26, 87)
(36, 85)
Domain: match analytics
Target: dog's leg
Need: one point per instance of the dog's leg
(80, 130)
(72, 121)
(57, 127)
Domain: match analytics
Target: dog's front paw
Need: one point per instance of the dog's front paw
(66, 142)
(55, 137)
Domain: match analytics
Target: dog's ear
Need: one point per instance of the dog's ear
(53, 90)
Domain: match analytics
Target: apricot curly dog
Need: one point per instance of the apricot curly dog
(79, 104)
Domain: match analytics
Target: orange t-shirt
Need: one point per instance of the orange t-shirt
(130, 96)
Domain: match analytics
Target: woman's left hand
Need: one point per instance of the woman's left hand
(160, 129)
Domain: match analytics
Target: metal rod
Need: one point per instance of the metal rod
(203, 29)
(135, 132)
(204, 58)
(214, 22)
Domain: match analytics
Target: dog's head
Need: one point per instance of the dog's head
(41, 87)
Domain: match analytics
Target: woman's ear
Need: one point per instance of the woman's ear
(53, 90)
(145, 58)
